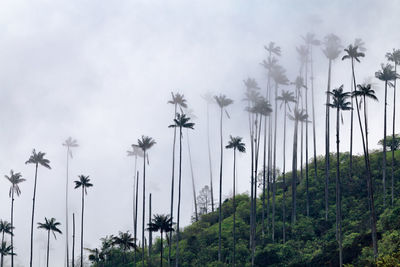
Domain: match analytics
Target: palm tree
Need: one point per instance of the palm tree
(162, 223)
(50, 225)
(331, 50)
(145, 143)
(286, 97)
(96, 255)
(5, 250)
(15, 179)
(387, 74)
(84, 183)
(395, 58)
(69, 144)
(36, 159)
(125, 241)
(352, 53)
(222, 102)
(6, 228)
(366, 92)
(181, 121)
(340, 103)
(178, 100)
(237, 144)
(298, 116)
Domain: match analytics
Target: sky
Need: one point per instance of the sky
(103, 72)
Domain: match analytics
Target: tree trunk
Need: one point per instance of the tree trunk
(161, 250)
(209, 158)
(12, 229)
(313, 119)
(191, 171)
(33, 215)
(263, 186)
(2, 256)
(144, 204)
(48, 247)
(393, 130)
(179, 197)
(338, 194)
(83, 212)
(73, 240)
(172, 189)
(66, 213)
(306, 123)
(284, 178)
(220, 190)
(136, 211)
(294, 171)
(351, 126)
(150, 232)
(234, 207)
(384, 150)
(327, 142)
(274, 164)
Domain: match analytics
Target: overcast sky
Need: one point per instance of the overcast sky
(103, 71)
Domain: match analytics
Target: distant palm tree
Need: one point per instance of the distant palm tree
(96, 255)
(36, 159)
(50, 225)
(5, 250)
(162, 223)
(5, 228)
(340, 103)
(178, 100)
(332, 49)
(145, 143)
(395, 58)
(386, 74)
(84, 183)
(352, 53)
(298, 116)
(126, 242)
(365, 92)
(286, 98)
(15, 179)
(69, 144)
(237, 144)
(222, 102)
(181, 121)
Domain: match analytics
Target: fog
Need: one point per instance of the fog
(103, 72)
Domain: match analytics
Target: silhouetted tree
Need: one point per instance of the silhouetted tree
(162, 223)
(125, 241)
(5, 228)
(50, 225)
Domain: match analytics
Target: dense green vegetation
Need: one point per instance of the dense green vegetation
(310, 241)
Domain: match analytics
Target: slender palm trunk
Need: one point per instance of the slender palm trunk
(150, 232)
(33, 215)
(161, 249)
(83, 212)
(2, 256)
(73, 240)
(172, 188)
(251, 178)
(234, 207)
(338, 193)
(136, 211)
(264, 176)
(133, 194)
(48, 247)
(294, 171)
(209, 157)
(327, 131)
(284, 178)
(306, 144)
(351, 127)
(12, 229)
(191, 172)
(313, 115)
(393, 130)
(384, 150)
(274, 164)
(66, 213)
(144, 204)
(220, 190)
(179, 197)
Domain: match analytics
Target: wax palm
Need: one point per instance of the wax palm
(51, 226)
(69, 144)
(145, 143)
(15, 179)
(5, 228)
(360, 44)
(125, 241)
(395, 58)
(37, 158)
(332, 49)
(273, 49)
(83, 183)
(222, 102)
(96, 255)
(235, 143)
(387, 74)
(5, 250)
(162, 223)
(181, 121)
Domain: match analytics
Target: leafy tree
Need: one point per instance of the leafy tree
(125, 241)
(162, 223)
(5, 250)
(50, 225)
(5, 228)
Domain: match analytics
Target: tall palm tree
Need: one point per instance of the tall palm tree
(145, 143)
(69, 144)
(340, 103)
(5, 250)
(237, 144)
(332, 49)
(352, 53)
(15, 179)
(84, 183)
(365, 91)
(181, 121)
(386, 74)
(50, 225)
(162, 223)
(286, 98)
(297, 116)
(222, 102)
(179, 101)
(125, 241)
(395, 58)
(6, 228)
(37, 158)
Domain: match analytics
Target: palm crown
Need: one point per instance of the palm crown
(69, 143)
(251, 83)
(5, 249)
(365, 90)
(84, 182)
(38, 159)
(15, 179)
(146, 142)
(360, 44)
(272, 49)
(50, 225)
(279, 75)
(299, 115)
(161, 223)
(236, 143)
(286, 97)
(136, 151)
(6, 227)
(270, 63)
(386, 74)
(178, 99)
(339, 99)
(223, 101)
(352, 53)
(309, 39)
(262, 107)
(124, 240)
(181, 121)
(394, 56)
(303, 53)
(332, 46)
